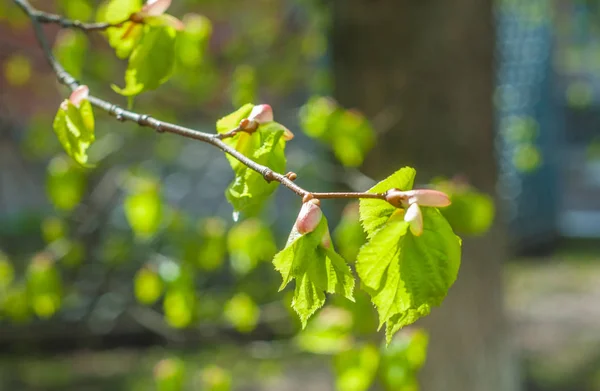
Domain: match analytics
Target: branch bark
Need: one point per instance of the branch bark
(38, 17)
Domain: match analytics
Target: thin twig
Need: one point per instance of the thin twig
(123, 115)
(46, 17)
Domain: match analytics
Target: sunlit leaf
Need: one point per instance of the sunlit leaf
(148, 286)
(355, 369)
(151, 62)
(374, 213)
(407, 275)
(192, 42)
(249, 190)
(65, 183)
(124, 38)
(242, 312)
(74, 127)
(315, 268)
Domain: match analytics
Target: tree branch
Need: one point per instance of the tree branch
(46, 17)
(38, 17)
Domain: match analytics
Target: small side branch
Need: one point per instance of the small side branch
(37, 18)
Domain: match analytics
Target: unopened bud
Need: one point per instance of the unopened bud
(248, 125)
(291, 176)
(155, 7)
(426, 197)
(396, 197)
(261, 114)
(414, 218)
(79, 94)
(309, 217)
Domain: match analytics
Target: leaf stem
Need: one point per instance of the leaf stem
(37, 18)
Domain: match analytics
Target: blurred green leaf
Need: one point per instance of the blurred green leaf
(347, 132)
(178, 305)
(151, 62)
(328, 332)
(349, 235)
(17, 70)
(7, 272)
(53, 228)
(16, 303)
(244, 85)
(215, 378)
(44, 286)
(242, 313)
(144, 211)
(249, 243)
(212, 251)
(70, 49)
(65, 183)
(124, 38)
(79, 10)
(402, 360)
(315, 268)
(471, 212)
(355, 369)
(74, 253)
(148, 286)
(192, 42)
(74, 127)
(169, 374)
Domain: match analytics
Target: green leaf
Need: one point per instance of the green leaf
(249, 190)
(355, 369)
(144, 212)
(179, 306)
(124, 38)
(242, 313)
(373, 212)
(406, 275)
(74, 127)
(44, 287)
(152, 61)
(315, 268)
(243, 142)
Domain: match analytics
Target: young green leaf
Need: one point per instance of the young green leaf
(355, 369)
(405, 274)
(374, 213)
(152, 61)
(317, 268)
(266, 146)
(74, 125)
(125, 37)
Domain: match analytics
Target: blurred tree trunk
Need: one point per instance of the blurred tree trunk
(423, 71)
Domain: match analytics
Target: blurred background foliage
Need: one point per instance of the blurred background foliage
(135, 275)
